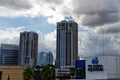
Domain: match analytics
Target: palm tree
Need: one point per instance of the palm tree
(47, 72)
(28, 74)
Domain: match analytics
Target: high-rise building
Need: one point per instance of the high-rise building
(28, 48)
(49, 58)
(67, 43)
(9, 54)
(45, 58)
(41, 59)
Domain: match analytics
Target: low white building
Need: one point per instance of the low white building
(103, 68)
(63, 70)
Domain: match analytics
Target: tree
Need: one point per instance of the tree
(47, 72)
(72, 71)
(37, 67)
(28, 74)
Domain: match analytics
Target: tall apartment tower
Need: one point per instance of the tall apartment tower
(67, 43)
(28, 48)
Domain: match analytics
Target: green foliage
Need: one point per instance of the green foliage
(72, 71)
(28, 74)
(60, 77)
(37, 67)
(47, 72)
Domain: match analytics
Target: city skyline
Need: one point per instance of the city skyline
(42, 16)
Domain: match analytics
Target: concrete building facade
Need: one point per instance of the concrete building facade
(13, 72)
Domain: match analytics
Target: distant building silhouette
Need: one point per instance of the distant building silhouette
(42, 59)
(49, 58)
(67, 43)
(9, 54)
(45, 58)
(28, 48)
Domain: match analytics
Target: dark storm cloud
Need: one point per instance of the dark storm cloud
(100, 19)
(97, 12)
(113, 28)
(16, 4)
(95, 6)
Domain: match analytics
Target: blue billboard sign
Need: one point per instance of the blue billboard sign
(79, 63)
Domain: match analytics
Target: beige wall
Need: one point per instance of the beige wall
(15, 72)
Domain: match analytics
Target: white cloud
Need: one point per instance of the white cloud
(50, 42)
(91, 44)
(10, 35)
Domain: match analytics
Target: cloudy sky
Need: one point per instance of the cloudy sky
(99, 23)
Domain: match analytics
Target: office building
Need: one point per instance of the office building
(9, 54)
(42, 59)
(28, 48)
(45, 58)
(49, 58)
(67, 43)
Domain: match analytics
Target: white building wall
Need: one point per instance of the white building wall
(96, 74)
(111, 68)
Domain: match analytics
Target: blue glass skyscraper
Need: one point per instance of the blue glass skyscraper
(42, 59)
(49, 58)
(45, 58)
